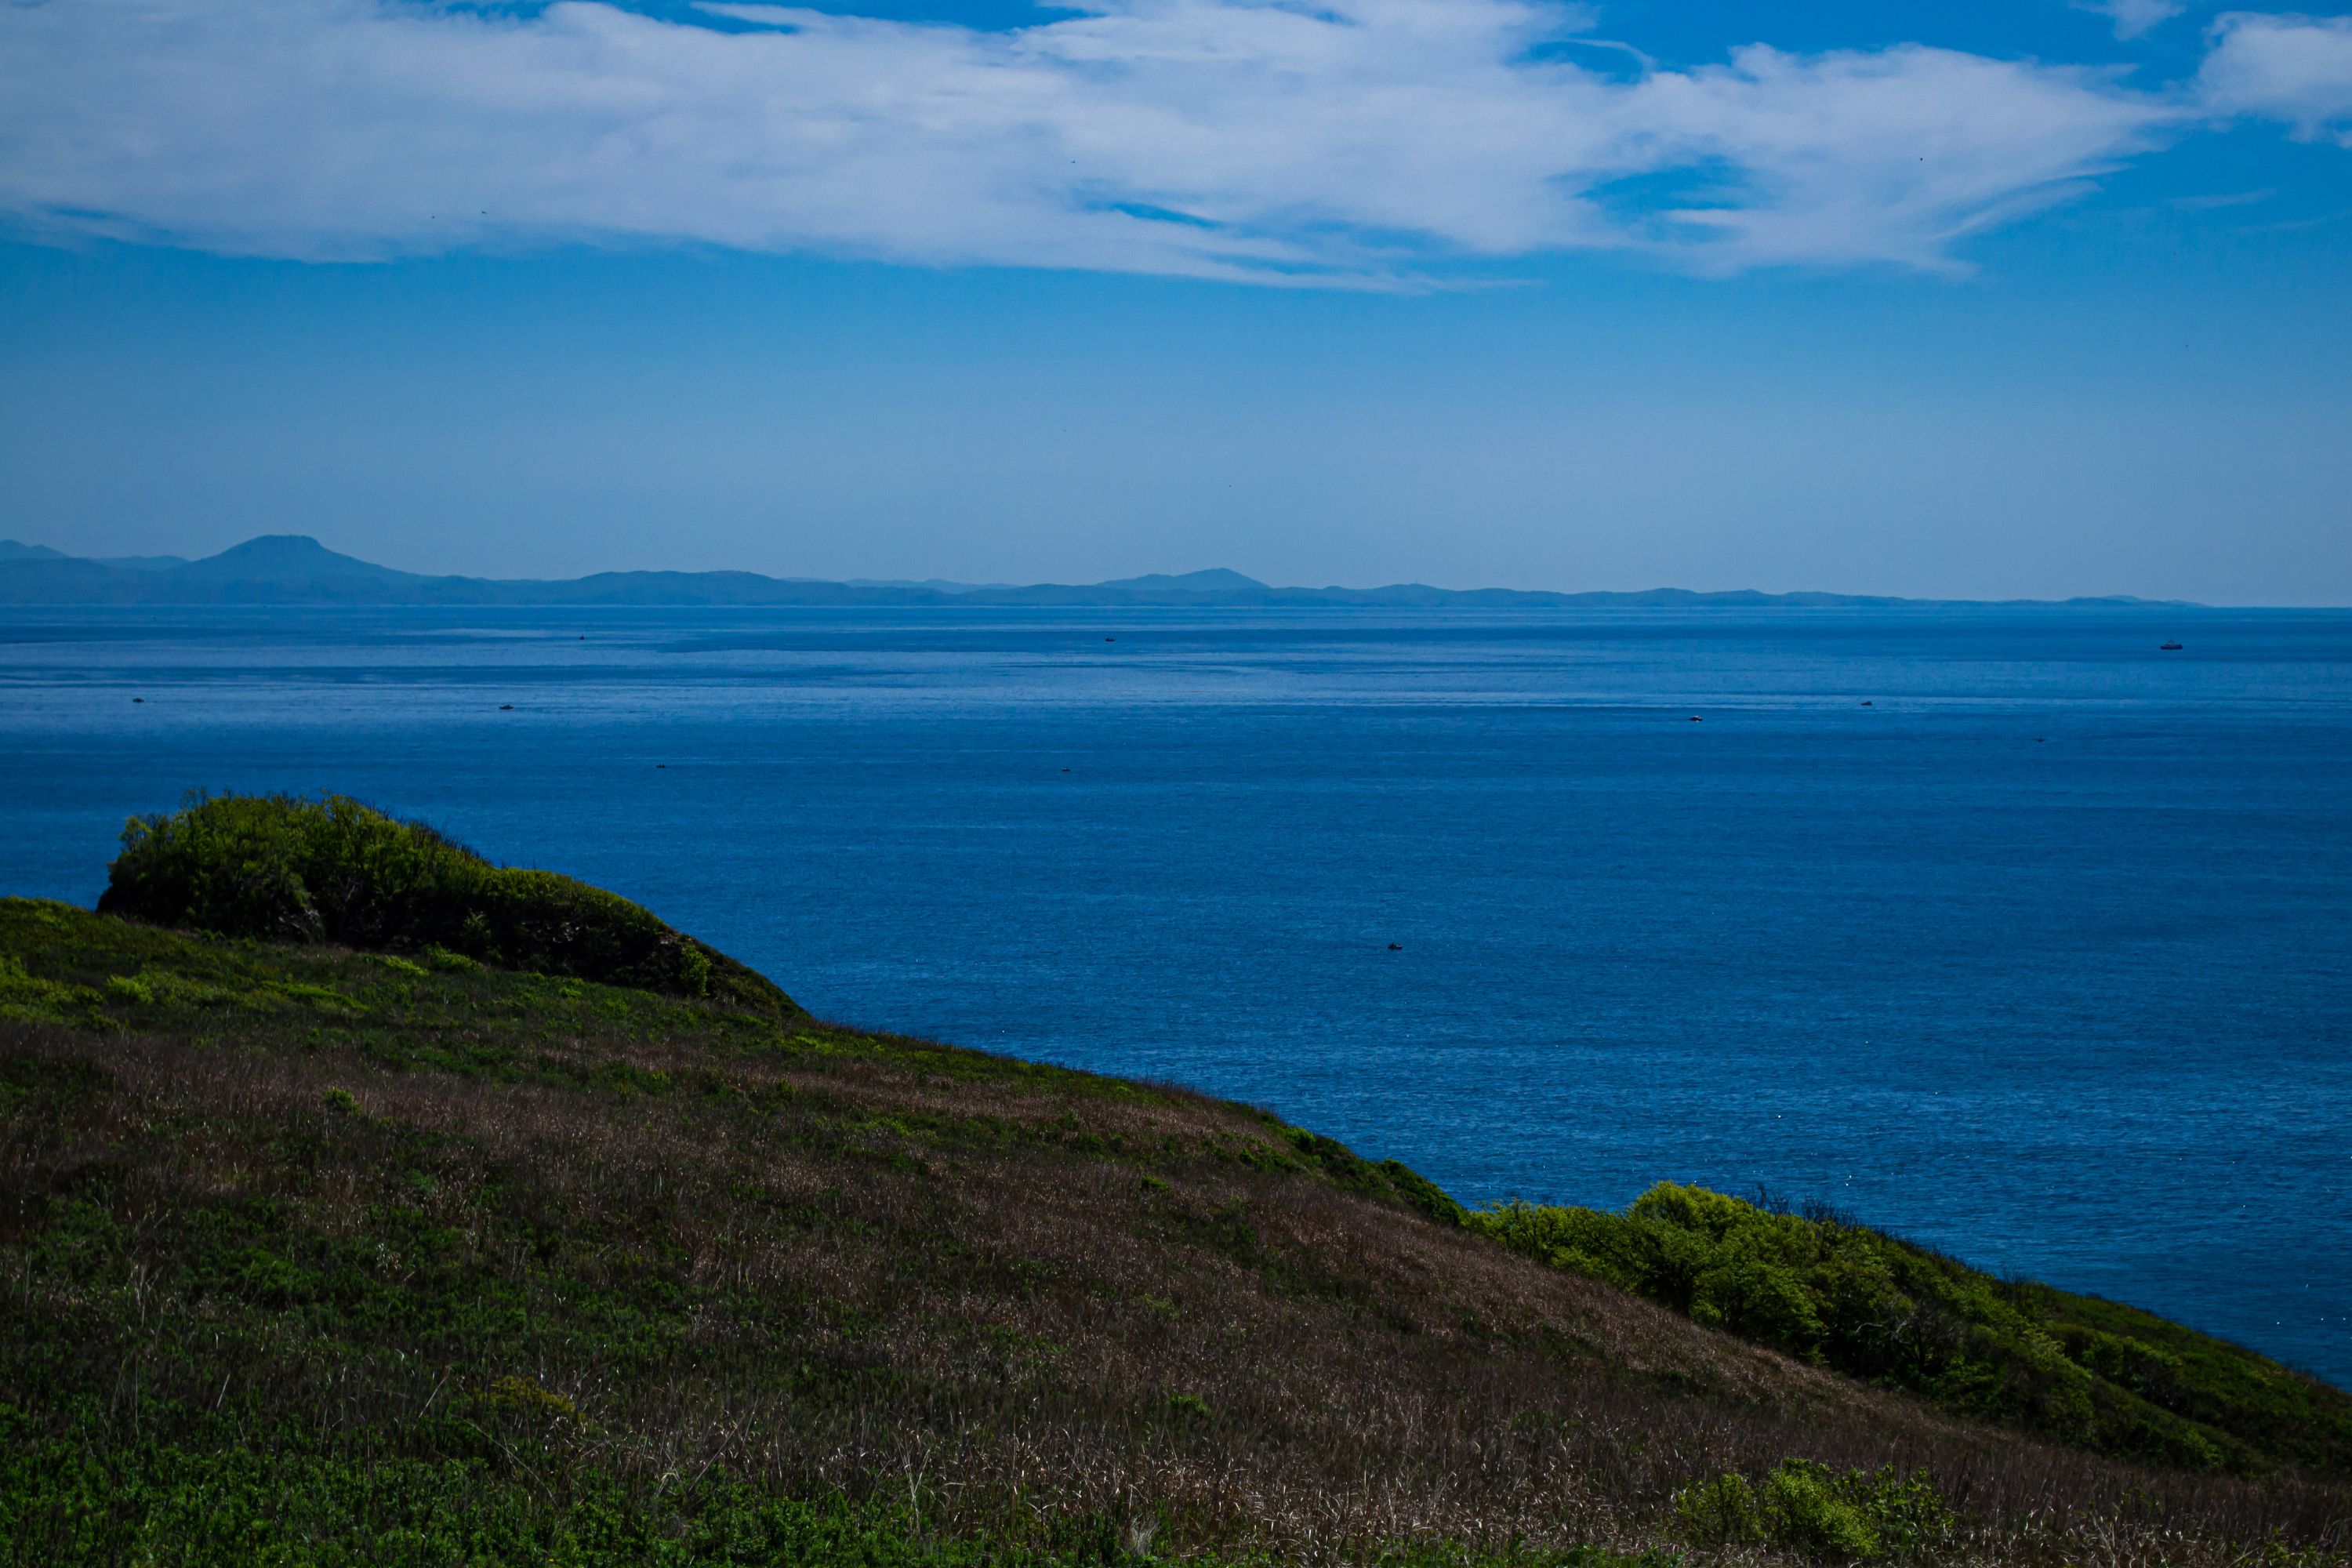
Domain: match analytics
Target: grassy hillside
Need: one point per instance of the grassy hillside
(2091, 1373)
(318, 1256)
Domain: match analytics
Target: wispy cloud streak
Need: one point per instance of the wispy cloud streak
(2132, 18)
(1362, 142)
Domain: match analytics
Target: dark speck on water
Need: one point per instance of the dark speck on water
(2086, 1018)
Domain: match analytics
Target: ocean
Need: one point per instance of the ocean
(2006, 930)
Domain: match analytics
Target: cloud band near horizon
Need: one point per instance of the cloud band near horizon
(1365, 143)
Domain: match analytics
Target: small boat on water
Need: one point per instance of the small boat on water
(2168, 647)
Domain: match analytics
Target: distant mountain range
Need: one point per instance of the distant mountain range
(295, 569)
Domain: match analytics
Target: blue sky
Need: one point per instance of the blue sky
(2016, 298)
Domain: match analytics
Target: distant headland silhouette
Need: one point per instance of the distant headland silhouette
(296, 569)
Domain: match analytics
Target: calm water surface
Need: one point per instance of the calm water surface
(2044, 955)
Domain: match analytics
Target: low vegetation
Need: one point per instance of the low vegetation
(1805, 1509)
(311, 1254)
(2083, 1372)
(286, 868)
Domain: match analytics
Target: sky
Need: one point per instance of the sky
(2022, 298)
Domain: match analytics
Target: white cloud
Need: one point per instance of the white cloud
(2297, 70)
(2132, 18)
(1889, 155)
(1361, 140)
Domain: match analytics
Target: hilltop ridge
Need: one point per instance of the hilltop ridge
(296, 569)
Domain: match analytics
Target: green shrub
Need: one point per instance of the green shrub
(1827, 1291)
(287, 869)
(32, 999)
(130, 989)
(1908, 1514)
(1720, 1512)
(1807, 1511)
(1419, 1192)
(1803, 1507)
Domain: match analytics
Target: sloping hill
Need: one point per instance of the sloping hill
(316, 1255)
(2088, 1373)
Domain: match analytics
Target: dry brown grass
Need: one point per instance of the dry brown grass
(1000, 1297)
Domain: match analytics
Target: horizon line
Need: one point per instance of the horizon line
(318, 566)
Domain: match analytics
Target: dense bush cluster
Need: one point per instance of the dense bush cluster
(2088, 1373)
(1806, 1507)
(290, 870)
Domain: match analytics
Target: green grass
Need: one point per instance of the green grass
(75, 1492)
(2085, 1371)
(331, 870)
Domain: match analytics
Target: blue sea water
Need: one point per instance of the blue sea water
(2005, 930)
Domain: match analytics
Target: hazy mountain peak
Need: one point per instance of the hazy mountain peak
(1216, 578)
(279, 557)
